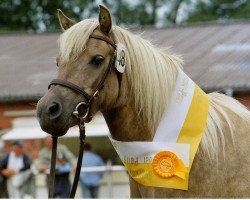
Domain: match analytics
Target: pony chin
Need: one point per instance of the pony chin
(60, 127)
(54, 130)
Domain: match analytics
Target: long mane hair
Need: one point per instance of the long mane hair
(151, 74)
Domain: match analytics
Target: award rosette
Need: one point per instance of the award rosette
(166, 164)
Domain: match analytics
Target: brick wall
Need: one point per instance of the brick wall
(6, 121)
(32, 147)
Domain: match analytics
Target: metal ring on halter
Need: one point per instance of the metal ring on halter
(76, 113)
(96, 94)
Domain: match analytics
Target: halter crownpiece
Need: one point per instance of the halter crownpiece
(105, 39)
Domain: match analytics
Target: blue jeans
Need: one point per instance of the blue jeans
(89, 192)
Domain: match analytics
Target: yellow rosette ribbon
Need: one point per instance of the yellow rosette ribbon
(166, 164)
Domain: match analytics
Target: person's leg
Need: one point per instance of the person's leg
(4, 193)
(3, 190)
(66, 186)
(21, 192)
(13, 192)
(85, 191)
(94, 192)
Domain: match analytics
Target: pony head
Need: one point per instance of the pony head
(150, 74)
(82, 61)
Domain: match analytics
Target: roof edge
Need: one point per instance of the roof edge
(20, 98)
(223, 90)
(195, 24)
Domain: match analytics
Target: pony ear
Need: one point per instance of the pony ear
(65, 22)
(105, 20)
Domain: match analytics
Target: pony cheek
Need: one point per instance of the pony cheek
(108, 99)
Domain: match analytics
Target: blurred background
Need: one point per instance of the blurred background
(40, 16)
(212, 37)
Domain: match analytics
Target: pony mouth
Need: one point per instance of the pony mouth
(55, 132)
(56, 129)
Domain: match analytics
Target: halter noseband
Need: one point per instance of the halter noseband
(80, 120)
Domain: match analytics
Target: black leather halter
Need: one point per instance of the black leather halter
(76, 88)
(80, 120)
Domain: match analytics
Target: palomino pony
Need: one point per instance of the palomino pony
(134, 102)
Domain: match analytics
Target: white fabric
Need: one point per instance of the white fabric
(14, 192)
(175, 115)
(15, 162)
(144, 152)
(19, 179)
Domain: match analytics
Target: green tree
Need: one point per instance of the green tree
(220, 10)
(171, 16)
(39, 15)
(145, 12)
(16, 15)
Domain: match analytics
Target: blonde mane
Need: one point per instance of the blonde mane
(151, 75)
(145, 65)
(72, 42)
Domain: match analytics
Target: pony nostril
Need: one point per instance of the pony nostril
(54, 109)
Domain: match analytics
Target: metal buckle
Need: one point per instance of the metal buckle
(76, 112)
(95, 95)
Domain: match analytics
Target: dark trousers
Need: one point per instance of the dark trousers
(62, 186)
(3, 189)
(89, 192)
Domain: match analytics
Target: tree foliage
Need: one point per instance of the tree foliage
(38, 15)
(41, 15)
(220, 10)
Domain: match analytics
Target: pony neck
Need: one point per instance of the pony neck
(149, 80)
(125, 124)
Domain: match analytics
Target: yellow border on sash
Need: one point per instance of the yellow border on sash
(197, 113)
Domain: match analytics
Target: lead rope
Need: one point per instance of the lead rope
(80, 155)
(52, 167)
(81, 126)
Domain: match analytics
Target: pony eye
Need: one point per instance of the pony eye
(97, 60)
